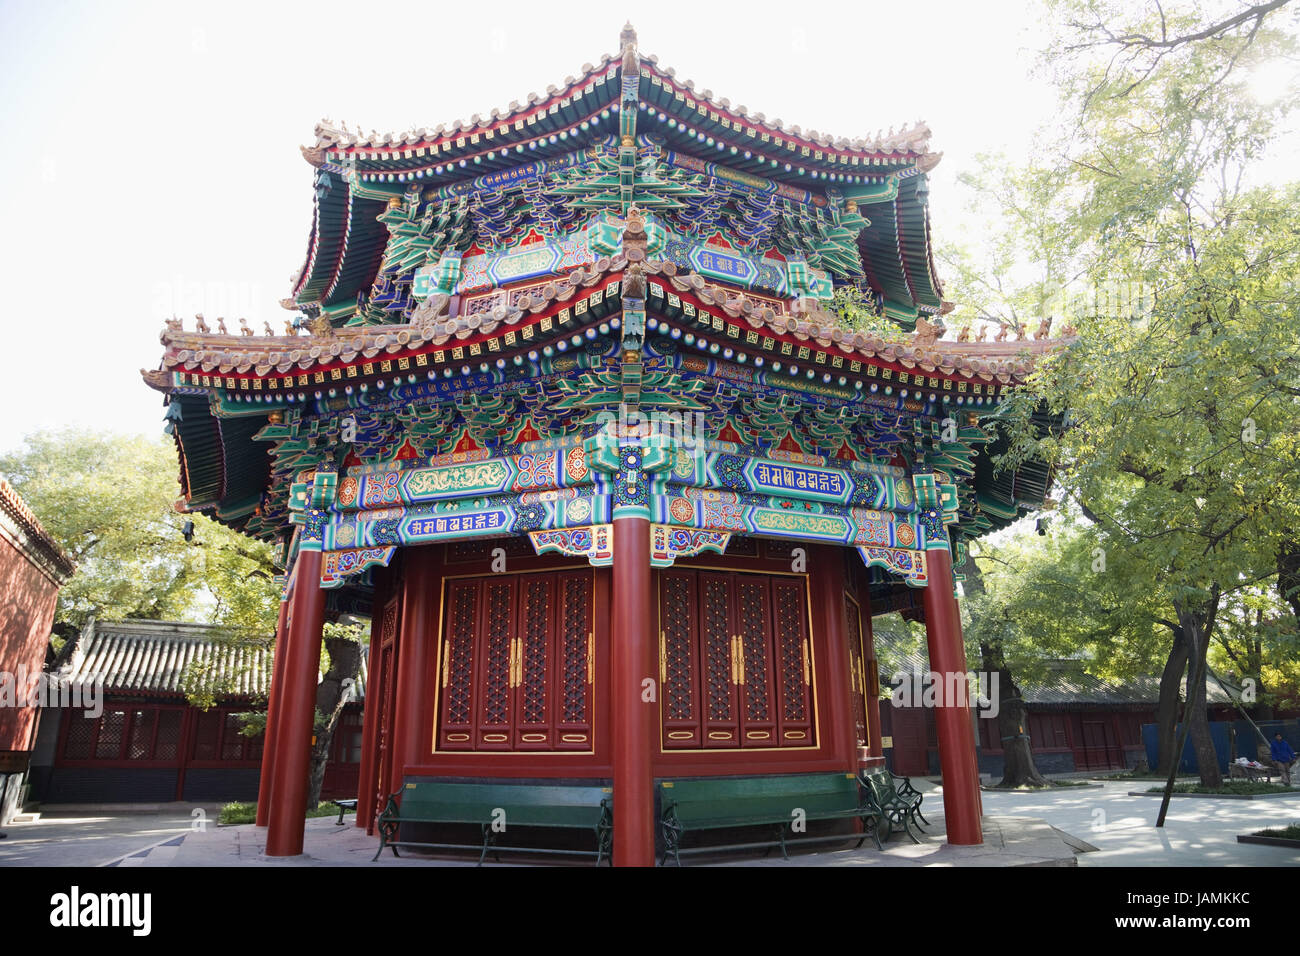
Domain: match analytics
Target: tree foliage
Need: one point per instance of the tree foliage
(108, 501)
(1180, 265)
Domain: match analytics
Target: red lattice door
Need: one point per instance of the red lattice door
(719, 657)
(517, 664)
(456, 695)
(792, 661)
(498, 655)
(575, 662)
(679, 671)
(735, 660)
(753, 622)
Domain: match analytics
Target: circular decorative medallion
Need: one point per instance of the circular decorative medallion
(904, 533)
(681, 509)
(575, 464)
(684, 466)
(347, 491)
(579, 510)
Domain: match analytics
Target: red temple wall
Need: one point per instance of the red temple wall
(28, 597)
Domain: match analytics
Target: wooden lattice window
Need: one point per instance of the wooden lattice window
(144, 733)
(516, 663)
(217, 738)
(735, 660)
(80, 740)
(112, 726)
(167, 739)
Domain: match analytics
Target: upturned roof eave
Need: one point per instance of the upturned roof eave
(433, 327)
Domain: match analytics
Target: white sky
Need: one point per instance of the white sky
(149, 153)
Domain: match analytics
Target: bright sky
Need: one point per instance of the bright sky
(150, 152)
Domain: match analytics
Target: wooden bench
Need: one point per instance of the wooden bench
(499, 807)
(715, 803)
(899, 805)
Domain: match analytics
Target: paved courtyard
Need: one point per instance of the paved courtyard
(1197, 832)
(93, 836)
(1020, 829)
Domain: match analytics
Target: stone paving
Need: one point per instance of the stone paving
(1056, 828)
(94, 836)
(1196, 832)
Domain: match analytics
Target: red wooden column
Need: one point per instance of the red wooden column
(297, 710)
(957, 759)
(264, 795)
(413, 734)
(370, 711)
(633, 716)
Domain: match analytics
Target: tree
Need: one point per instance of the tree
(1039, 600)
(1184, 434)
(343, 645)
(1021, 259)
(108, 501)
(990, 630)
(1134, 44)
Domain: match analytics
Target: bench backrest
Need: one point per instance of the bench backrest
(775, 797)
(523, 804)
(881, 783)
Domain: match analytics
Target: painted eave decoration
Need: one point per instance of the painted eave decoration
(495, 292)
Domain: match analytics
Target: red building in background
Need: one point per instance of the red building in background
(1076, 722)
(32, 570)
(146, 742)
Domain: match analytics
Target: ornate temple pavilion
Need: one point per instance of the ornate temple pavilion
(566, 401)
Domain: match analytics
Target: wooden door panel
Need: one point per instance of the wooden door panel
(719, 659)
(575, 662)
(792, 662)
(857, 670)
(495, 674)
(456, 706)
(534, 667)
(386, 699)
(678, 656)
(735, 660)
(517, 663)
(753, 618)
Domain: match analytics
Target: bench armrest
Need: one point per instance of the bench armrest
(390, 811)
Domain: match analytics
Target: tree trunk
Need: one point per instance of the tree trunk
(1197, 624)
(1171, 681)
(1018, 768)
(331, 696)
(1263, 707)
(1288, 575)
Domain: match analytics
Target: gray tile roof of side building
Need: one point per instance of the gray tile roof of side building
(151, 658)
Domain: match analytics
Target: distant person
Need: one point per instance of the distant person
(1283, 756)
